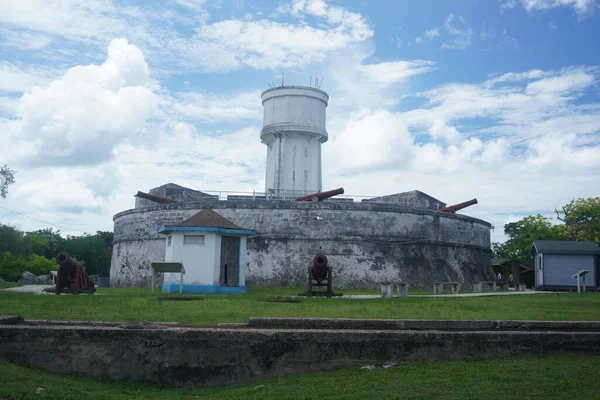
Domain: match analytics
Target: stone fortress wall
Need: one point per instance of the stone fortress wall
(366, 242)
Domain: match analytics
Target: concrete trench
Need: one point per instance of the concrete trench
(169, 353)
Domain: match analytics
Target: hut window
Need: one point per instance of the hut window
(191, 240)
(168, 240)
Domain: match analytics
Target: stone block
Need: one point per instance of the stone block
(27, 278)
(402, 290)
(387, 290)
(520, 287)
(456, 288)
(438, 287)
(485, 286)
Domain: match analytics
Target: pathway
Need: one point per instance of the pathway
(29, 288)
(511, 293)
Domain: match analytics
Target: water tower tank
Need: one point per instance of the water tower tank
(293, 130)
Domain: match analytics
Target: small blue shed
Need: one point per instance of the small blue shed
(555, 262)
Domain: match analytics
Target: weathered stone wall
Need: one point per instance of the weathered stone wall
(365, 242)
(194, 357)
(413, 198)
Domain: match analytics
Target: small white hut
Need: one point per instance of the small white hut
(212, 250)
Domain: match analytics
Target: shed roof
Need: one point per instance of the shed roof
(207, 219)
(564, 247)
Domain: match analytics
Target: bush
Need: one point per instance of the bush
(12, 266)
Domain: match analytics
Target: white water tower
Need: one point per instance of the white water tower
(293, 130)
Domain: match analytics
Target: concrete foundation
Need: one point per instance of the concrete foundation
(366, 243)
(183, 356)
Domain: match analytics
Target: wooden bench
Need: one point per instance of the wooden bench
(438, 287)
(168, 266)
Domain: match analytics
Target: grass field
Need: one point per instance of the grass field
(6, 285)
(542, 377)
(142, 305)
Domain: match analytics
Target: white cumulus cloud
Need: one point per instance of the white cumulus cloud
(81, 116)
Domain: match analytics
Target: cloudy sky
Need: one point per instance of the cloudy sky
(497, 100)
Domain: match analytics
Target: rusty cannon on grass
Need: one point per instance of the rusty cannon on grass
(453, 209)
(320, 272)
(72, 276)
(320, 196)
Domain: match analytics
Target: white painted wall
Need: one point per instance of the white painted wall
(294, 126)
(217, 257)
(200, 262)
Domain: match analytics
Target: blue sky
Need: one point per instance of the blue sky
(497, 100)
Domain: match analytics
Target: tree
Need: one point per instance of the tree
(7, 177)
(45, 242)
(11, 240)
(498, 250)
(92, 250)
(581, 219)
(522, 233)
(36, 251)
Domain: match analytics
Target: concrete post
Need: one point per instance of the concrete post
(520, 287)
(402, 290)
(153, 273)
(386, 290)
(478, 287)
(438, 289)
(456, 288)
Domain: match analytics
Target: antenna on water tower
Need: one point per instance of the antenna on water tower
(310, 81)
(282, 79)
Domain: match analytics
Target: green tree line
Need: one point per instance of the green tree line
(578, 220)
(36, 251)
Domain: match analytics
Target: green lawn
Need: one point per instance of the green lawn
(141, 304)
(6, 285)
(541, 377)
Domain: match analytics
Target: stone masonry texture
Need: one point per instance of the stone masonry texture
(366, 243)
(197, 357)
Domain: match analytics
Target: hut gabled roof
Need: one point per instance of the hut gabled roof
(208, 218)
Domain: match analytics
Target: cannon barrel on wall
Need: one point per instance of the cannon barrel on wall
(320, 196)
(156, 199)
(453, 209)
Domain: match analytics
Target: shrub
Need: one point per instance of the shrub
(12, 266)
